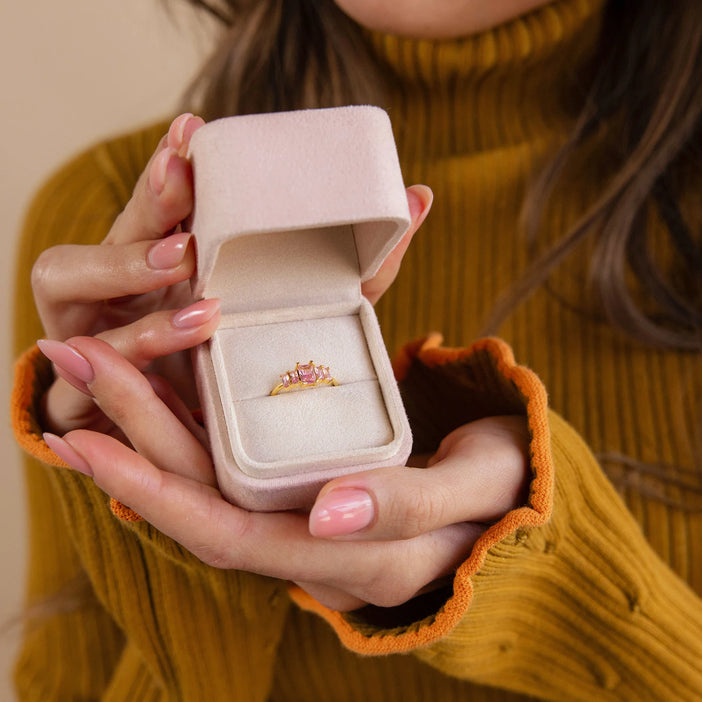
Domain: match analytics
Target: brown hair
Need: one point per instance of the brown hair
(643, 106)
(644, 109)
(284, 55)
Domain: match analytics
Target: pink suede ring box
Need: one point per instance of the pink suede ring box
(293, 211)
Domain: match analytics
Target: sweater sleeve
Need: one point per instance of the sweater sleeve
(71, 644)
(563, 598)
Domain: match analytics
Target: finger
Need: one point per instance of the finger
(129, 400)
(163, 195)
(419, 199)
(164, 332)
(225, 536)
(85, 274)
(166, 393)
(151, 337)
(479, 475)
(181, 131)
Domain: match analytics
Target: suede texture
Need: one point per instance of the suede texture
(292, 212)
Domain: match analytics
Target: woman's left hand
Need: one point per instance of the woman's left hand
(379, 537)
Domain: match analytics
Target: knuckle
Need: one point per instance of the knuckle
(45, 270)
(422, 510)
(143, 337)
(136, 341)
(219, 551)
(214, 555)
(118, 405)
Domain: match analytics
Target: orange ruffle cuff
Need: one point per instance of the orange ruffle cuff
(33, 376)
(488, 382)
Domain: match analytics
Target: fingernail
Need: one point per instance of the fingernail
(169, 252)
(177, 130)
(341, 512)
(159, 169)
(67, 453)
(66, 358)
(196, 314)
(419, 199)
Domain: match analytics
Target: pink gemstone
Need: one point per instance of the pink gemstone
(294, 377)
(326, 373)
(286, 380)
(306, 374)
(319, 372)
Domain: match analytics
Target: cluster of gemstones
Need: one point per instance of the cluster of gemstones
(306, 375)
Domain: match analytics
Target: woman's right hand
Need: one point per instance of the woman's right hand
(128, 290)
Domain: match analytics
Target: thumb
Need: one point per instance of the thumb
(419, 199)
(385, 504)
(480, 473)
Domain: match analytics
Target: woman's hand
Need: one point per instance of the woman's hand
(84, 290)
(141, 268)
(377, 537)
(128, 291)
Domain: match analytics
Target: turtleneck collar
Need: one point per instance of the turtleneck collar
(510, 79)
(534, 37)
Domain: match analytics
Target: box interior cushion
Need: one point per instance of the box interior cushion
(287, 269)
(285, 433)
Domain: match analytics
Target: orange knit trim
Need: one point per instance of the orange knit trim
(403, 359)
(430, 352)
(28, 433)
(126, 514)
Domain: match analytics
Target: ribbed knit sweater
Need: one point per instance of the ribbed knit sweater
(590, 591)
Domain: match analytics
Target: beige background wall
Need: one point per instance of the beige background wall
(71, 72)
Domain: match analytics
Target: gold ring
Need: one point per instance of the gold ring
(303, 377)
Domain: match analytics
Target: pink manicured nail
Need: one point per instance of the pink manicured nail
(159, 169)
(67, 453)
(419, 198)
(68, 359)
(196, 314)
(169, 252)
(341, 512)
(177, 130)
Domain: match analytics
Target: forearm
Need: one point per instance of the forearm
(71, 644)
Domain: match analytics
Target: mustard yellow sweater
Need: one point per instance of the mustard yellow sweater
(591, 591)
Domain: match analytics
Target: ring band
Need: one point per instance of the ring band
(304, 376)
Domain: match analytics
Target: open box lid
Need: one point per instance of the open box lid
(278, 173)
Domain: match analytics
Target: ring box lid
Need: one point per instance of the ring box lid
(299, 172)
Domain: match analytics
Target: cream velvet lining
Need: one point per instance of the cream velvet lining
(283, 270)
(317, 424)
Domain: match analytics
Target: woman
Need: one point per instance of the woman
(511, 567)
